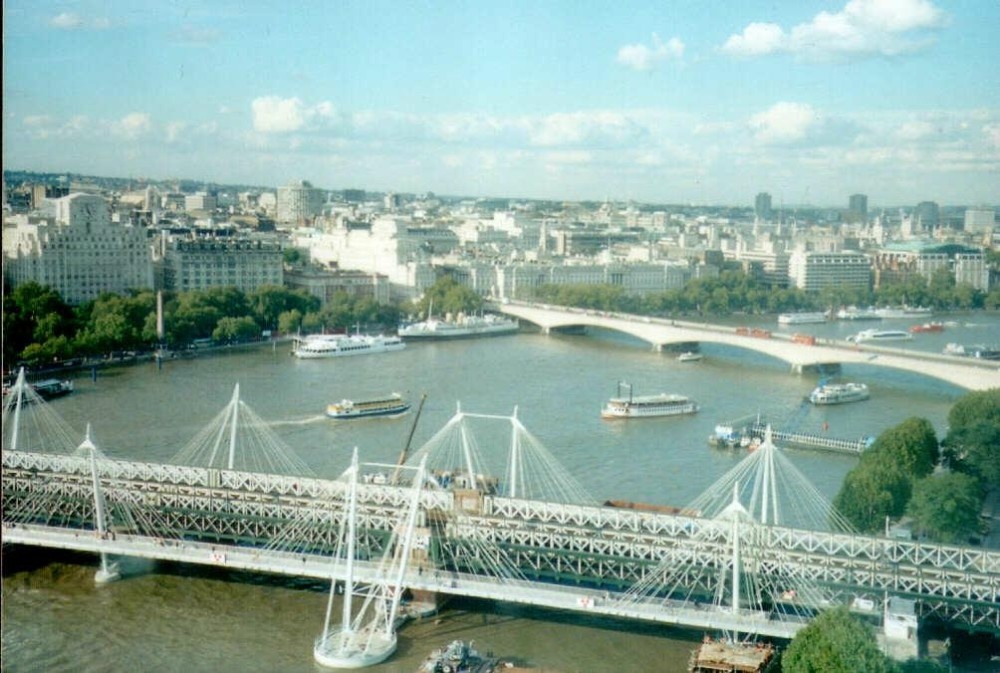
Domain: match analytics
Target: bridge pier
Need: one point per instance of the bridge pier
(108, 572)
(821, 368)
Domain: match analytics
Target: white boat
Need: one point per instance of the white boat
(390, 405)
(689, 356)
(459, 657)
(853, 313)
(839, 393)
(336, 345)
(880, 335)
(647, 406)
(902, 311)
(801, 318)
(463, 326)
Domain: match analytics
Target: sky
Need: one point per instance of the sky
(676, 101)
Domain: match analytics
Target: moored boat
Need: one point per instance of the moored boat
(902, 311)
(838, 393)
(46, 389)
(647, 406)
(854, 313)
(464, 326)
(390, 405)
(336, 345)
(880, 335)
(803, 318)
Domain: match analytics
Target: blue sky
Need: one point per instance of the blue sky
(672, 101)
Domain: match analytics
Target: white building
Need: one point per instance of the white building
(299, 202)
(813, 271)
(186, 265)
(81, 254)
(979, 220)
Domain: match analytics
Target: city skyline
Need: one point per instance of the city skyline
(656, 102)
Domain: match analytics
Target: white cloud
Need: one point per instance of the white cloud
(643, 57)
(756, 39)
(73, 21)
(277, 115)
(272, 114)
(787, 123)
(863, 28)
(132, 125)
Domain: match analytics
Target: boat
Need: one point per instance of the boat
(464, 326)
(390, 405)
(880, 335)
(902, 311)
(47, 389)
(979, 352)
(461, 657)
(336, 345)
(838, 393)
(647, 406)
(927, 327)
(689, 356)
(854, 313)
(801, 318)
(715, 656)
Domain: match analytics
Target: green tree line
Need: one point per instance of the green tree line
(735, 291)
(39, 327)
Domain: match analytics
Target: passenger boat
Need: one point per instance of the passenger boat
(880, 335)
(461, 657)
(902, 311)
(716, 656)
(854, 313)
(689, 356)
(390, 405)
(647, 406)
(979, 352)
(927, 327)
(838, 393)
(336, 345)
(464, 326)
(801, 318)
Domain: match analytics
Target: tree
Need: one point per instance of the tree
(946, 506)
(236, 329)
(972, 444)
(835, 642)
(875, 489)
(912, 444)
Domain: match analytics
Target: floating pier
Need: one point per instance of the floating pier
(748, 433)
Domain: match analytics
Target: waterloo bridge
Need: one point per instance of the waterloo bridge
(800, 354)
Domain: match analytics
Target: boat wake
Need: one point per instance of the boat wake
(298, 421)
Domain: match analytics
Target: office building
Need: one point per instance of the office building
(81, 254)
(812, 271)
(857, 209)
(762, 207)
(299, 203)
(979, 220)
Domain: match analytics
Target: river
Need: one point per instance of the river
(169, 618)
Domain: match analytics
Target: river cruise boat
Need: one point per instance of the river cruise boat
(647, 406)
(391, 405)
(337, 345)
(689, 356)
(838, 393)
(880, 335)
(801, 318)
(902, 311)
(927, 327)
(854, 313)
(979, 352)
(463, 327)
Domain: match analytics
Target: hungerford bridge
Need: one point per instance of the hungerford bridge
(759, 552)
(801, 354)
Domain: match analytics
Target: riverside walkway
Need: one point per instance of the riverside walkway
(965, 372)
